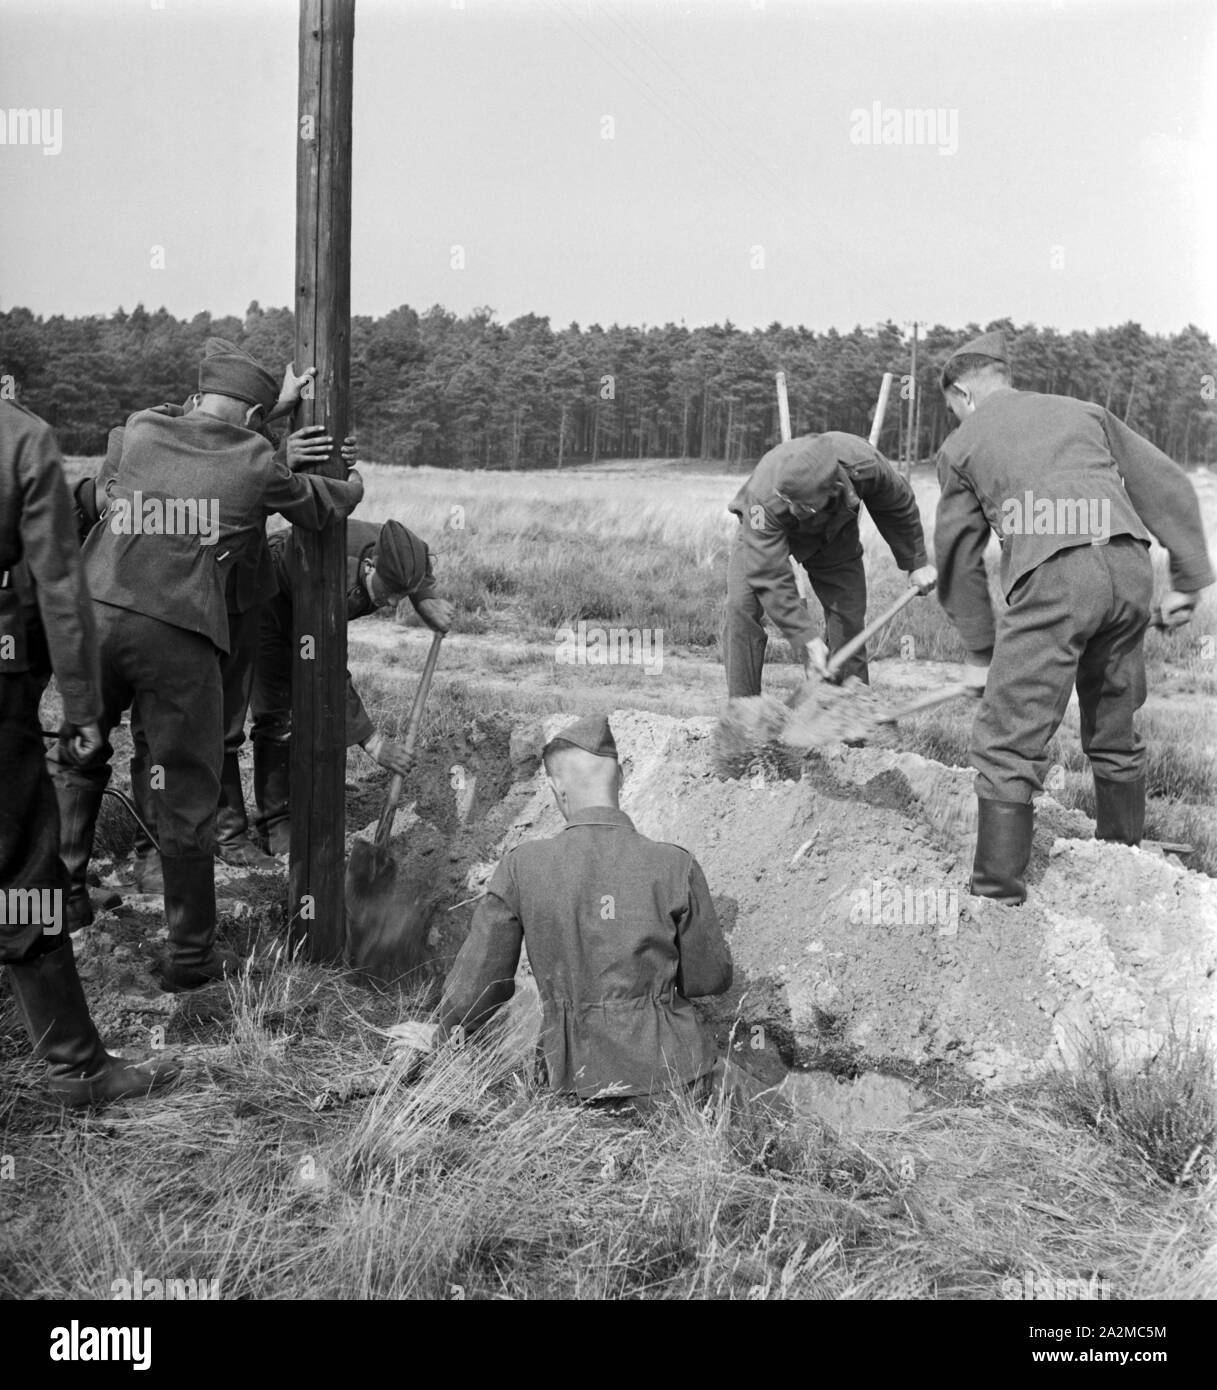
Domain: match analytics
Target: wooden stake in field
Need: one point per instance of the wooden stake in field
(876, 427)
(783, 406)
(323, 313)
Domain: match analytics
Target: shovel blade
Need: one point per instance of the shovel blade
(386, 925)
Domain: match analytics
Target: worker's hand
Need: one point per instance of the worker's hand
(414, 1036)
(293, 385)
(813, 655)
(924, 579)
(976, 671)
(390, 755)
(79, 744)
(307, 446)
(1177, 608)
(437, 613)
(348, 451)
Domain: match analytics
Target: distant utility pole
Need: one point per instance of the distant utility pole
(316, 909)
(910, 436)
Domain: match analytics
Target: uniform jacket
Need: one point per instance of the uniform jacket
(251, 580)
(772, 533)
(621, 932)
(1099, 478)
(361, 542)
(202, 459)
(40, 565)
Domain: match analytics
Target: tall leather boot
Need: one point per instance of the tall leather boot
(79, 804)
(233, 844)
(57, 1019)
(1119, 810)
(1003, 850)
(190, 910)
(272, 779)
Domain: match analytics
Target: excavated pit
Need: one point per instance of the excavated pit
(840, 879)
(843, 894)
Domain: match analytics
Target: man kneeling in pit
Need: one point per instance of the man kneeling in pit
(621, 933)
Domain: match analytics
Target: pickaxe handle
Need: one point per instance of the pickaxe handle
(843, 654)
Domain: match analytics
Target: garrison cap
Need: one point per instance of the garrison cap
(400, 558)
(227, 370)
(591, 733)
(806, 470)
(987, 345)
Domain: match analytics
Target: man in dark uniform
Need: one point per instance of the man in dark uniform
(621, 934)
(803, 500)
(36, 538)
(385, 564)
(188, 500)
(252, 583)
(1074, 496)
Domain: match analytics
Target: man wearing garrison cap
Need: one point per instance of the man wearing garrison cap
(184, 506)
(804, 500)
(621, 933)
(250, 583)
(385, 564)
(1074, 497)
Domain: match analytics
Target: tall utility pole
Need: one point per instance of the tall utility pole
(323, 318)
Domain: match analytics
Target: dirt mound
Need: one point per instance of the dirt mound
(855, 940)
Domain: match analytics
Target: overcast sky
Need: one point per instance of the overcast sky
(1069, 180)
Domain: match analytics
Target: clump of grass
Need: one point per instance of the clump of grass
(1161, 1113)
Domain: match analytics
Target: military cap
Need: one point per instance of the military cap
(400, 558)
(806, 470)
(227, 370)
(591, 733)
(991, 345)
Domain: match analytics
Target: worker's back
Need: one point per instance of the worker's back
(620, 932)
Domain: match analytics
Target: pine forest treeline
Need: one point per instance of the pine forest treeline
(452, 392)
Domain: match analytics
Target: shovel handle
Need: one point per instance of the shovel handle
(843, 654)
(385, 824)
(930, 701)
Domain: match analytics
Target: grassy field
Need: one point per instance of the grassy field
(301, 1162)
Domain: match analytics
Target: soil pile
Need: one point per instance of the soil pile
(844, 896)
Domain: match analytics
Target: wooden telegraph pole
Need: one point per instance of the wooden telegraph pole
(323, 315)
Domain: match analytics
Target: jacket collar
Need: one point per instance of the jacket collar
(599, 815)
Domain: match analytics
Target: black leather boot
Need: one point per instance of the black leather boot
(233, 844)
(1119, 810)
(272, 778)
(190, 910)
(1003, 850)
(79, 804)
(57, 1019)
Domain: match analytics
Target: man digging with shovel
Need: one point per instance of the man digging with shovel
(1074, 496)
(385, 564)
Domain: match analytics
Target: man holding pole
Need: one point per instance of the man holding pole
(187, 501)
(804, 500)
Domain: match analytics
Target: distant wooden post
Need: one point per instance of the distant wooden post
(323, 313)
(783, 406)
(876, 426)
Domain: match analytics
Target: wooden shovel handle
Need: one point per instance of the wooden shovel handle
(384, 825)
(843, 654)
(934, 698)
